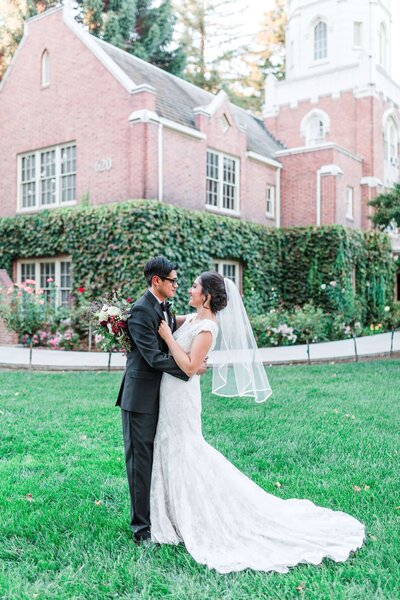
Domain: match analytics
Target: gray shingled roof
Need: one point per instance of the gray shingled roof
(176, 99)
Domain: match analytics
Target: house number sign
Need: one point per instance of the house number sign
(104, 164)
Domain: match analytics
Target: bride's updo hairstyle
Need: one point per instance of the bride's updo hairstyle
(212, 283)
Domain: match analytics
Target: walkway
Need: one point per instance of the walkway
(16, 357)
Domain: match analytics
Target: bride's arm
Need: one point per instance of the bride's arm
(189, 363)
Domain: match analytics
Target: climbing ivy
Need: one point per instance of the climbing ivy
(110, 244)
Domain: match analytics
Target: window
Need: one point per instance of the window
(314, 127)
(315, 131)
(47, 177)
(224, 123)
(41, 270)
(222, 182)
(229, 269)
(383, 46)
(320, 41)
(270, 201)
(357, 34)
(45, 69)
(349, 203)
(391, 142)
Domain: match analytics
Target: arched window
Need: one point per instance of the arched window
(45, 68)
(391, 139)
(320, 40)
(314, 127)
(383, 45)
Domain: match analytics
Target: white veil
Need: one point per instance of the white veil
(237, 368)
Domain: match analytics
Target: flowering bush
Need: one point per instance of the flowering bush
(27, 311)
(273, 329)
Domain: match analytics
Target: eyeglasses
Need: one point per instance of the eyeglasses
(173, 281)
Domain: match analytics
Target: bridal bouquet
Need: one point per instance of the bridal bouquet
(111, 328)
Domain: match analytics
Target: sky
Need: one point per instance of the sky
(256, 9)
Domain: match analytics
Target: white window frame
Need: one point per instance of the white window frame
(220, 183)
(37, 180)
(320, 38)
(391, 142)
(46, 69)
(349, 203)
(57, 272)
(270, 200)
(220, 266)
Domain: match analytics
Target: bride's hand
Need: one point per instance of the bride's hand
(164, 331)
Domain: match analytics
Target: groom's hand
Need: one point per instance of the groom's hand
(203, 367)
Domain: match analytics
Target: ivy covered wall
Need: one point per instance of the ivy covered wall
(110, 244)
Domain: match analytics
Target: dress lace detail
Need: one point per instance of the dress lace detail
(225, 520)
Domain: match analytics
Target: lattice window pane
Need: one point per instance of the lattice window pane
(47, 271)
(212, 179)
(68, 174)
(48, 177)
(28, 175)
(320, 41)
(229, 271)
(28, 271)
(229, 185)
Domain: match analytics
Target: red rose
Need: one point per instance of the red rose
(122, 324)
(103, 323)
(81, 290)
(129, 300)
(115, 328)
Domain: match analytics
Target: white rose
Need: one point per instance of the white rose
(323, 286)
(387, 308)
(105, 308)
(114, 311)
(332, 283)
(103, 316)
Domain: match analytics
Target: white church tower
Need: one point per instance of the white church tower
(337, 111)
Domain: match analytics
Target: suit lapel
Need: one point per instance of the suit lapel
(155, 304)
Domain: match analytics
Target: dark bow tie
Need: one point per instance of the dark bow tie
(166, 306)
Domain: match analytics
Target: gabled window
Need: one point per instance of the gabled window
(45, 69)
(222, 182)
(47, 177)
(320, 41)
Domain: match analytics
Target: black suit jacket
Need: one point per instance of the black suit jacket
(148, 359)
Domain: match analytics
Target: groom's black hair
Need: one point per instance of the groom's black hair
(160, 265)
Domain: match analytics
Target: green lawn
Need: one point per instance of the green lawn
(64, 506)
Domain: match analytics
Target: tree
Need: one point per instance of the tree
(212, 38)
(134, 25)
(387, 209)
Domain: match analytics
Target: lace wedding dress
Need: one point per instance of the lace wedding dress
(226, 521)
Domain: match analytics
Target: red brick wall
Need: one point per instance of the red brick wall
(6, 337)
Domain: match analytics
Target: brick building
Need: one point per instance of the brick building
(84, 122)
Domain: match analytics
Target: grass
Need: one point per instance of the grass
(64, 498)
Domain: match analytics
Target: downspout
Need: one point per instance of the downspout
(160, 162)
(318, 198)
(278, 196)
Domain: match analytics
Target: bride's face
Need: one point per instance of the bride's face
(196, 296)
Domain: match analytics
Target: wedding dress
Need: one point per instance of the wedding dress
(225, 520)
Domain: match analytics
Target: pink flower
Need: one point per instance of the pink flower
(39, 291)
(41, 301)
(19, 294)
(50, 280)
(29, 290)
(30, 281)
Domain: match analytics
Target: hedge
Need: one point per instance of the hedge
(110, 244)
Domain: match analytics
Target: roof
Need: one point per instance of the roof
(177, 98)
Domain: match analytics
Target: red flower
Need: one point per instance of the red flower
(115, 328)
(129, 300)
(122, 324)
(81, 290)
(103, 323)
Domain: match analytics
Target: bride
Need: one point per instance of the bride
(225, 520)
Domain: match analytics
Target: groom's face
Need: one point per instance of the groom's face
(166, 286)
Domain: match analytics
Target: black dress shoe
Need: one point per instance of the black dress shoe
(140, 539)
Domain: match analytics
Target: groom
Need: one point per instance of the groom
(139, 393)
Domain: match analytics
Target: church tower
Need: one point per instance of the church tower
(337, 111)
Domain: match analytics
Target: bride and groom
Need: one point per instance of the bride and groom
(181, 488)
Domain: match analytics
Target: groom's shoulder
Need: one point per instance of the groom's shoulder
(141, 304)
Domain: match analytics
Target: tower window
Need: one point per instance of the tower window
(314, 127)
(357, 35)
(320, 41)
(391, 140)
(383, 44)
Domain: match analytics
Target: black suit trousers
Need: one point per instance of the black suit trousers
(139, 431)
